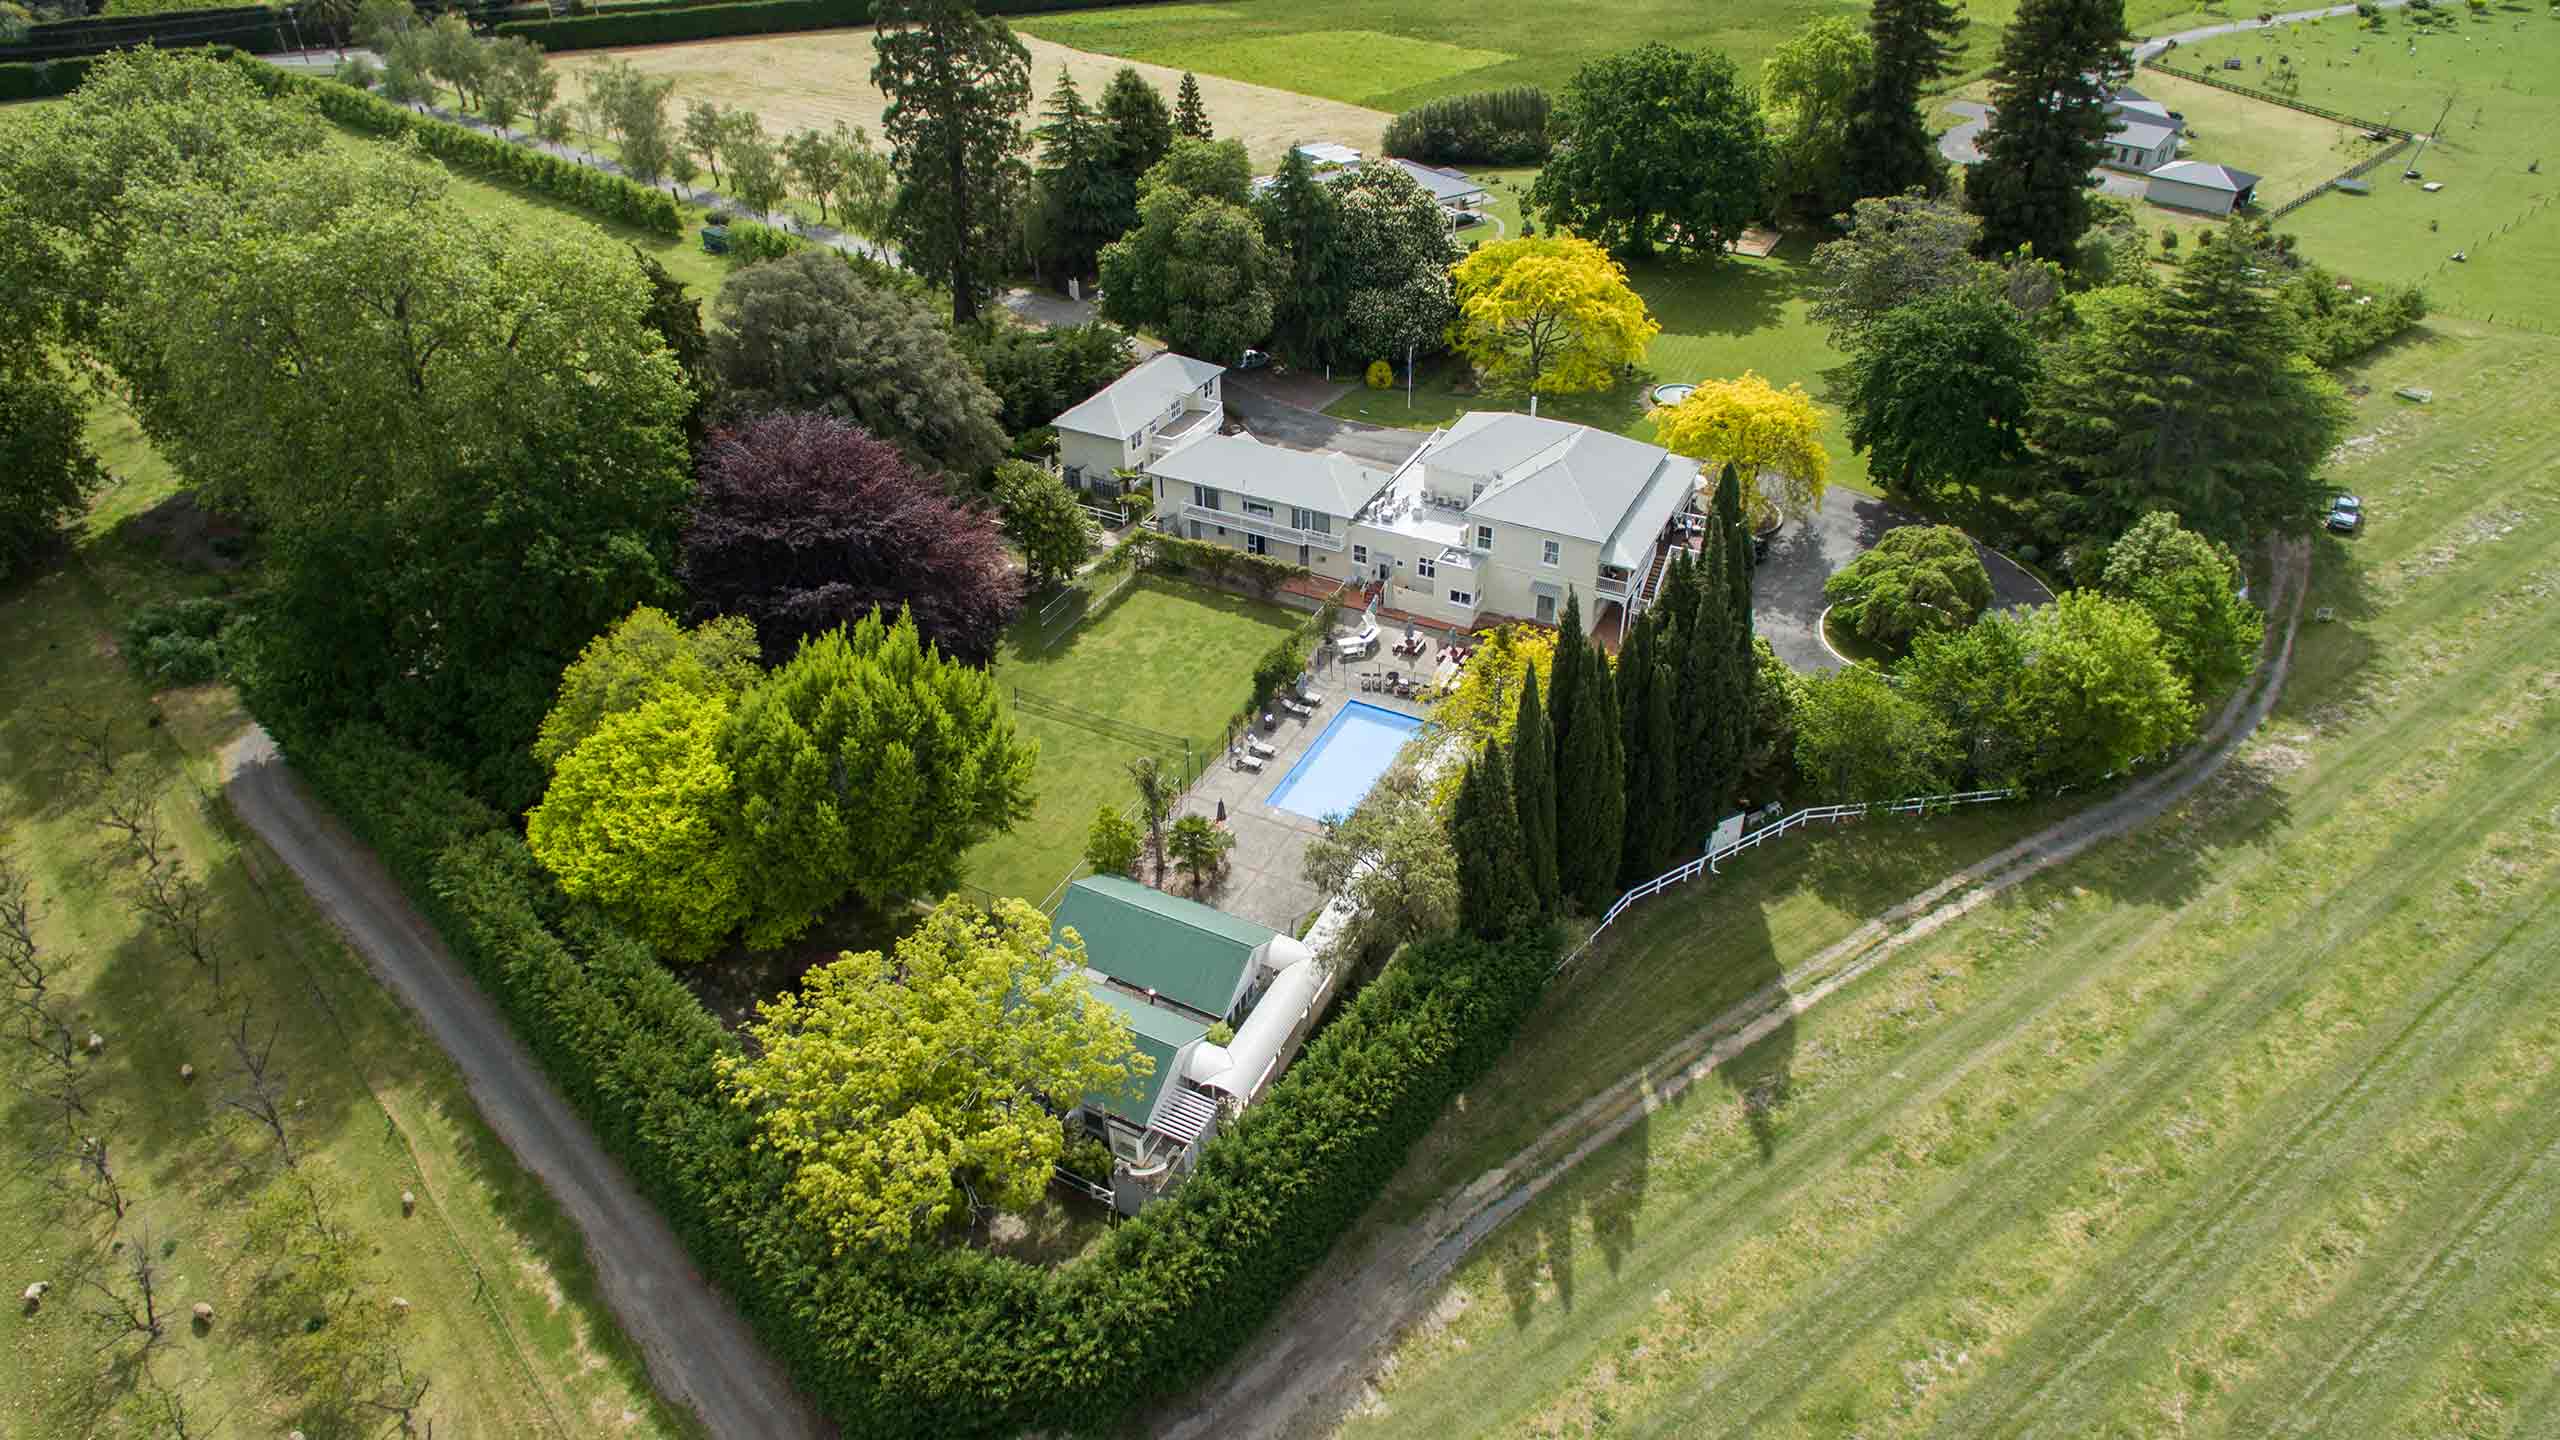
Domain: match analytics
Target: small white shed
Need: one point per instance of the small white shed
(2205, 188)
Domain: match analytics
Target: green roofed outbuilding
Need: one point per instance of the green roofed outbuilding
(1161, 1035)
(1202, 960)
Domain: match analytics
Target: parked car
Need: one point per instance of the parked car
(1253, 360)
(2346, 514)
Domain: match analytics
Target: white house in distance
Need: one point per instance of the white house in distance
(1499, 515)
(1162, 404)
(2144, 135)
(2196, 185)
(1456, 191)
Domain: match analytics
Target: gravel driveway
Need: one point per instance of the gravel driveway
(1786, 591)
(699, 1352)
(1270, 418)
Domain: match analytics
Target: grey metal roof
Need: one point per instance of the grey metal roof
(2142, 110)
(1444, 185)
(2205, 176)
(1567, 479)
(2141, 137)
(1121, 408)
(1330, 482)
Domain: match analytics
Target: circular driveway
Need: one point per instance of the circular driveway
(1786, 588)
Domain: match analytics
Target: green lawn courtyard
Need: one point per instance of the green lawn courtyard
(1161, 663)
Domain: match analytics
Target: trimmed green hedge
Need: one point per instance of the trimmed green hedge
(936, 1341)
(253, 28)
(41, 79)
(607, 197)
(736, 17)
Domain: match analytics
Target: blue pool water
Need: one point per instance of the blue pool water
(1344, 762)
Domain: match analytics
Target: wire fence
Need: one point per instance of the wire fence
(1711, 862)
(1185, 755)
(2203, 78)
(2352, 172)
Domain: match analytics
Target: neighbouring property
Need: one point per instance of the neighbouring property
(1173, 968)
(2144, 134)
(1167, 402)
(1458, 193)
(2206, 188)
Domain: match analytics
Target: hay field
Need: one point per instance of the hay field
(818, 78)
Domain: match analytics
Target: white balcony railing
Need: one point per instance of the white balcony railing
(1181, 433)
(1268, 529)
(1611, 585)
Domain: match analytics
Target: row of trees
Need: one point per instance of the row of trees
(1621, 768)
(2080, 415)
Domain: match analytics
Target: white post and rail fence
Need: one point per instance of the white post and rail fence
(1729, 840)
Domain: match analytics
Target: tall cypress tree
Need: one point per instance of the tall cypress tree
(1890, 149)
(957, 83)
(1742, 664)
(1533, 780)
(1654, 834)
(2059, 62)
(1302, 217)
(1634, 684)
(1591, 796)
(1562, 679)
(1190, 116)
(1736, 533)
(1703, 691)
(1494, 895)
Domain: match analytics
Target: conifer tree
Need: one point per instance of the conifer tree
(1083, 204)
(1494, 895)
(1654, 832)
(1591, 795)
(1302, 217)
(1563, 675)
(1533, 778)
(1701, 688)
(2059, 62)
(1890, 149)
(957, 83)
(1140, 125)
(1190, 116)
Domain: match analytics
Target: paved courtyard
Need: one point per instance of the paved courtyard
(1264, 882)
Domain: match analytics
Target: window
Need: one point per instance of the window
(1462, 597)
(1484, 537)
(1546, 609)
(1204, 497)
(1315, 521)
(1302, 554)
(1258, 507)
(1551, 553)
(1425, 568)
(1256, 545)
(1359, 554)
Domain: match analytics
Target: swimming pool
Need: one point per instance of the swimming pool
(1344, 762)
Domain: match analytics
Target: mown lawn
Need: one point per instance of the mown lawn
(505, 1321)
(1162, 663)
(2247, 1124)
(1392, 54)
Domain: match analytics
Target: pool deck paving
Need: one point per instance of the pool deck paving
(1264, 880)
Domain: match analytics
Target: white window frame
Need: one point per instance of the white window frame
(1484, 537)
(1462, 597)
(1426, 569)
(1359, 554)
(1260, 508)
(1255, 543)
(1205, 497)
(1552, 553)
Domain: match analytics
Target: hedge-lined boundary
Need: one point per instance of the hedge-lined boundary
(253, 28)
(41, 79)
(938, 1342)
(605, 196)
(740, 17)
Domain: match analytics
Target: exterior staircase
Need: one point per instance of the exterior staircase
(1653, 578)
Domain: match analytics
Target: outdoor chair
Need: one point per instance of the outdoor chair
(1267, 752)
(1298, 708)
(1245, 761)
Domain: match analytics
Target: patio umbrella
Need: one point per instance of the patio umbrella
(1222, 812)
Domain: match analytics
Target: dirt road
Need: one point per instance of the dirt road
(1311, 1364)
(699, 1352)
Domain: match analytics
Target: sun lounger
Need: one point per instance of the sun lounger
(1302, 711)
(1244, 761)
(1267, 752)
(1312, 697)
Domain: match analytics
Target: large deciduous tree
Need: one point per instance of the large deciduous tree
(1809, 86)
(1771, 438)
(2065, 694)
(1398, 248)
(1938, 390)
(2190, 587)
(1899, 249)
(1657, 150)
(1860, 739)
(2194, 399)
(47, 470)
(803, 523)
(1038, 375)
(1043, 520)
(805, 333)
(1392, 860)
(957, 83)
(464, 439)
(912, 1090)
(1549, 315)
(2059, 62)
(1890, 149)
(621, 669)
(1916, 579)
(869, 763)
(1197, 270)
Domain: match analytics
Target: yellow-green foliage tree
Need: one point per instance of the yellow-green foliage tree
(911, 1091)
(1551, 315)
(1772, 437)
(1484, 708)
(637, 818)
(648, 652)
